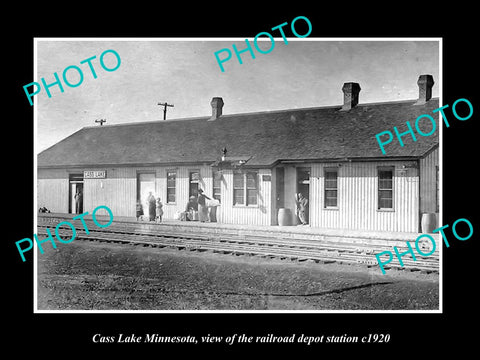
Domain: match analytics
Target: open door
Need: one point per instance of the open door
(75, 203)
(145, 185)
(280, 187)
(303, 186)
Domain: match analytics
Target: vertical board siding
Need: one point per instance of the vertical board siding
(117, 191)
(357, 193)
(259, 214)
(290, 187)
(52, 190)
(357, 198)
(182, 186)
(428, 178)
(181, 190)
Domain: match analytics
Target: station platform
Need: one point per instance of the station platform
(300, 232)
(300, 242)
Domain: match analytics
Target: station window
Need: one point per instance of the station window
(385, 188)
(331, 187)
(194, 177)
(245, 188)
(171, 185)
(238, 189)
(252, 191)
(217, 188)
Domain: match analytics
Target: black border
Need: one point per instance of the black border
(426, 333)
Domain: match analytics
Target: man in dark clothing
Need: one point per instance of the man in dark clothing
(191, 209)
(151, 206)
(79, 202)
(302, 208)
(202, 207)
(192, 204)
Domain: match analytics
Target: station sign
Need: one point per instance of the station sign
(97, 174)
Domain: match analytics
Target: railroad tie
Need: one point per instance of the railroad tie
(270, 247)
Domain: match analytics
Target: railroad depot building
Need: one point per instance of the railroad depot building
(329, 154)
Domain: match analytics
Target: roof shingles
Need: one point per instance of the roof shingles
(314, 133)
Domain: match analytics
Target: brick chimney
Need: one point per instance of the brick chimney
(351, 91)
(425, 84)
(217, 106)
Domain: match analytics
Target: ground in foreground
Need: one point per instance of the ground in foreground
(100, 276)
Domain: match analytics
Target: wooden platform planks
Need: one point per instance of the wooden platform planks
(247, 243)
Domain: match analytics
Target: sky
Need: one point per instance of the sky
(304, 73)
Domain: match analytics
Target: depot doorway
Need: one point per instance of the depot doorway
(303, 186)
(145, 186)
(75, 195)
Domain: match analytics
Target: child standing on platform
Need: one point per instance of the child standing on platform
(139, 210)
(159, 210)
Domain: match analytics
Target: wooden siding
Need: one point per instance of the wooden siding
(118, 191)
(52, 190)
(181, 186)
(357, 193)
(290, 187)
(357, 196)
(428, 178)
(259, 214)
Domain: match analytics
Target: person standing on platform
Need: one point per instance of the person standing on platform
(202, 207)
(191, 210)
(302, 207)
(159, 210)
(139, 210)
(297, 217)
(79, 201)
(151, 206)
(212, 209)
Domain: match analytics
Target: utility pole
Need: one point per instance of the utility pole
(101, 121)
(165, 109)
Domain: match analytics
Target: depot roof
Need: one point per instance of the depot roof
(265, 138)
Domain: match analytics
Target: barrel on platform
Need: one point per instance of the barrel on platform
(284, 217)
(429, 222)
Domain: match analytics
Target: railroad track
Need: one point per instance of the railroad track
(342, 252)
